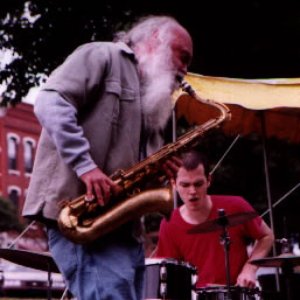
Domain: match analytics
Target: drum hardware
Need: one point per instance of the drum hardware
(169, 279)
(289, 245)
(222, 223)
(163, 273)
(163, 277)
(286, 262)
(221, 293)
(36, 260)
(232, 220)
(286, 245)
(225, 241)
(281, 261)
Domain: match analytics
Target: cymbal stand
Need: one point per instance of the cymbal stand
(287, 272)
(65, 294)
(225, 241)
(49, 290)
(16, 240)
(14, 243)
(269, 210)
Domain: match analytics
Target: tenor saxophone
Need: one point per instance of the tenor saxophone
(84, 221)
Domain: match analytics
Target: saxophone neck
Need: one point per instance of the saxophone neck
(225, 112)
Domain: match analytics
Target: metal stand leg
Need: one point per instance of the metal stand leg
(65, 293)
(49, 290)
(225, 241)
(287, 272)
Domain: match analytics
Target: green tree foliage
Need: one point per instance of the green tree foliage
(245, 39)
(8, 216)
(42, 33)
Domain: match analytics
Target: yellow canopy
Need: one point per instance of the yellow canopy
(252, 94)
(272, 103)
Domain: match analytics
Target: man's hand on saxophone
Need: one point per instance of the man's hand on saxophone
(102, 187)
(171, 166)
(99, 185)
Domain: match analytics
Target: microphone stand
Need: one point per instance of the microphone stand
(225, 241)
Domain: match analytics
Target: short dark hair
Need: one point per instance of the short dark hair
(192, 158)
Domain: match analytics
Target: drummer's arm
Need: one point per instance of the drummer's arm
(261, 248)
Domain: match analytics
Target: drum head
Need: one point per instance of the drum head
(160, 261)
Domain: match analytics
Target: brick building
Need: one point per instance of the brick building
(19, 133)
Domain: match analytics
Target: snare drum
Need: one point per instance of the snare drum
(168, 279)
(221, 293)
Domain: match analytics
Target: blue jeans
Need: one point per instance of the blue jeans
(110, 268)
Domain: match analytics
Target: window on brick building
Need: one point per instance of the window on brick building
(14, 195)
(28, 155)
(12, 151)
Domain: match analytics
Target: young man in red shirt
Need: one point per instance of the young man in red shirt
(204, 250)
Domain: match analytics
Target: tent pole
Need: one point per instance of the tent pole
(268, 191)
(224, 155)
(282, 198)
(174, 138)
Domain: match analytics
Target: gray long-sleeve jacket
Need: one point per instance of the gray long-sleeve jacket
(91, 115)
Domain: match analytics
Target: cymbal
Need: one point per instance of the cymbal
(36, 260)
(218, 223)
(277, 261)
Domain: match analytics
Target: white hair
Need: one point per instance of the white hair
(158, 73)
(145, 27)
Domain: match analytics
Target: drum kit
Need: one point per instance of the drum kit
(176, 280)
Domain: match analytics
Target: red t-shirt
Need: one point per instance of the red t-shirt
(204, 250)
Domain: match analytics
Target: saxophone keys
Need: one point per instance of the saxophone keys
(89, 198)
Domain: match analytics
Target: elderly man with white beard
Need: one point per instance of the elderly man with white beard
(101, 110)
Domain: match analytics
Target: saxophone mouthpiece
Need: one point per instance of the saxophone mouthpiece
(186, 87)
(179, 78)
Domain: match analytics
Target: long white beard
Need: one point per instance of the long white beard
(157, 88)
